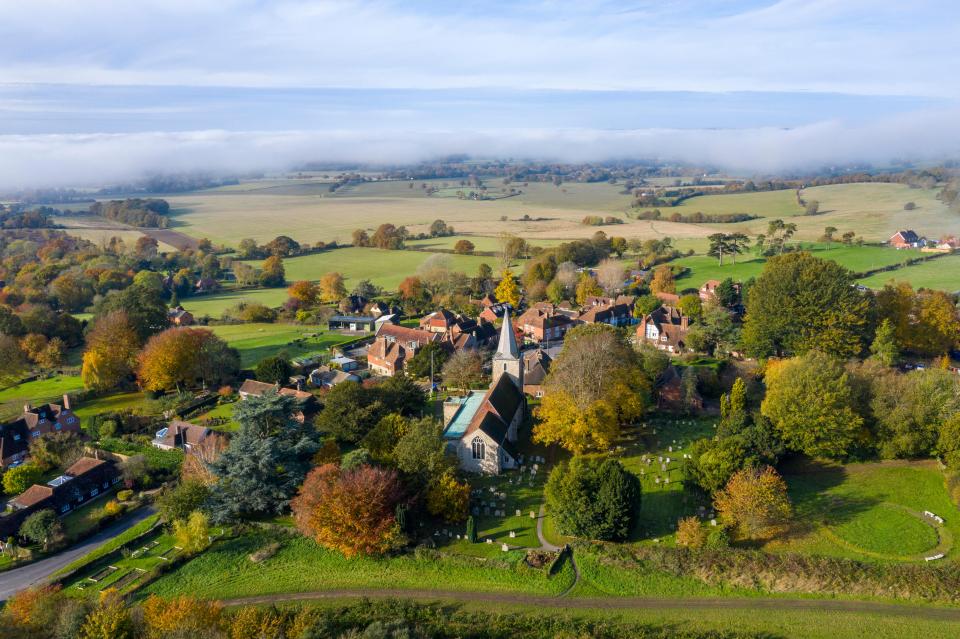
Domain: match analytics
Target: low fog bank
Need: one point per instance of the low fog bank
(28, 161)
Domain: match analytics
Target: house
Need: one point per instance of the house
(344, 363)
(86, 479)
(395, 345)
(536, 365)
(614, 315)
(16, 435)
(305, 401)
(439, 321)
(207, 285)
(906, 239)
(354, 323)
(494, 312)
(595, 300)
(481, 429)
(326, 377)
(487, 301)
(182, 435)
(379, 309)
(179, 317)
(709, 290)
(353, 305)
(665, 328)
(544, 323)
(670, 299)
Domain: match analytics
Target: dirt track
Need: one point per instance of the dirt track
(617, 603)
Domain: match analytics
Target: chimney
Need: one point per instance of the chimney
(66, 401)
(27, 407)
(684, 322)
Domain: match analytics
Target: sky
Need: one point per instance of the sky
(104, 90)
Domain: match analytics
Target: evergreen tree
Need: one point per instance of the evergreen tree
(884, 347)
(471, 530)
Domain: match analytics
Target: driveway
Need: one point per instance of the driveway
(12, 581)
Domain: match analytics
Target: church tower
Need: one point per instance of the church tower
(507, 360)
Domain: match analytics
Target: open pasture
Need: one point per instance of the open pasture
(768, 204)
(941, 274)
(256, 341)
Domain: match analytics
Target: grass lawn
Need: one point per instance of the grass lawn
(114, 403)
(942, 274)
(870, 511)
(80, 522)
(224, 411)
(768, 204)
(111, 545)
(301, 565)
(40, 391)
(257, 341)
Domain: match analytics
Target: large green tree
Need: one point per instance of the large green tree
(910, 409)
(144, 307)
(593, 497)
(811, 402)
(800, 303)
(266, 461)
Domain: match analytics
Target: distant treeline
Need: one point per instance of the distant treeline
(596, 220)
(17, 218)
(695, 218)
(149, 213)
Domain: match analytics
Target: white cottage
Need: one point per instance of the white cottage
(482, 428)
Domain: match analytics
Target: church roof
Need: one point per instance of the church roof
(505, 398)
(507, 346)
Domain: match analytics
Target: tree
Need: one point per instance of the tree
(411, 289)
(463, 369)
(181, 616)
(56, 450)
(359, 237)
(177, 503)
(143, 306)
(366, 289)
(332, 287)
(419, 366)
(471, 530)
(246, 275)
(691, 533)
(282, 246)
(421, 451)
(109, 620)
(884, 347)
(507, 290)
(266, 461)
(828, 234)
(179, 357)
(811, 403)
(645, 305)
(511, 247)
(801, 302)
(13, 363)
(663, 280)
(18, 479)
(463, 247)
(593, 497)
(111, 354)
(910, 409)
(273, 370)
(754, 503)
(594, 386)
(587, 286)
(41, 527)
(719, 246)
(192, 534)
(727, 293)
(307, 293)
(196, 465)
(716, 331)
(618, 245)
(388, 236)
(713, 462)
(448, 498)
(272, 273)
(611, 275)
(811, 208)
(691, 305)
(350, 511)
(948, 442)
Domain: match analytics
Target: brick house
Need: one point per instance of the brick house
(179, 317)
(15, 436)
(543, 323)
(395, 345)
(906, 239)
(665, 328)
(182, 435)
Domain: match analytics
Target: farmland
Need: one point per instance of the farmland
(256, 341)
(942, 274)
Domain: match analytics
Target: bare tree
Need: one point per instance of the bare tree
(610, 275)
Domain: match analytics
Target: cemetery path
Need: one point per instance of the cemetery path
(617, 603)
(544, 544)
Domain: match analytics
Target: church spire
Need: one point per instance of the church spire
(507, 347)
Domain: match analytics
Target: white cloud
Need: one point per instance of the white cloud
(96, 159)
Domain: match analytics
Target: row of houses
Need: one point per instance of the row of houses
(35, 422)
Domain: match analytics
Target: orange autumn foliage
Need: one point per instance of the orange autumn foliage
(351, 511)
(182, 615)
(26, 607)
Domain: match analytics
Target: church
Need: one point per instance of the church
(481, 428)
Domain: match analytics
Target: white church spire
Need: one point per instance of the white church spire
(507, 347)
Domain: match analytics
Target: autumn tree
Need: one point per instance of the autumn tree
(332, 287)
(587, 286)
(13, 363)
(754, 503)
(811, 403)
(448, 498)
(306, 292)
(691, 533)
(610, 276)
(463, 369)
(662, 281)
(193, 533)
(111, 353)
(463, 247)
(910, 409)
(507, 290)
(924, 322)
(350, 511)
(179, 357)
(884, 346)
(595, 385)
(144, 307)
(411, 289)
(272, 272)
(109, 620)
(19, 478)
(182, 616)
(801, 302)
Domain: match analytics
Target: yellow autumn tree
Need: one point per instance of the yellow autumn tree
(663, 280)
(109, 620)
(507, 290)
(180, 616)
(587, 286)
(754, 503)
(691, 533)
(111, 353)
(305, 292)
(448, 498)
(251, 622)
(332, 288)
(193, 533)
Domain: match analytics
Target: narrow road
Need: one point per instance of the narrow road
(13, 581)
(618, 603)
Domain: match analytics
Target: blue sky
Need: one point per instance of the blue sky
(84, 82)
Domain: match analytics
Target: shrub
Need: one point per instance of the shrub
(124, 495)
(690, 533)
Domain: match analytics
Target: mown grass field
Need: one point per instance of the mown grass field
(301, 565)
(768, 204)
(941, 274)
(870, 511)
(256, 341)
(36, 392)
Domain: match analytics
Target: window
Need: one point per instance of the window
(65, 508)
(35, 433)
(478, 448)
(16, 437)
(70, 420)
(94, 492)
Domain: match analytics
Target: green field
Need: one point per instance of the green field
(256, 341)
(36, 392)
(768, 204)
(870, 511)
(941, 274)
(301, 565)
